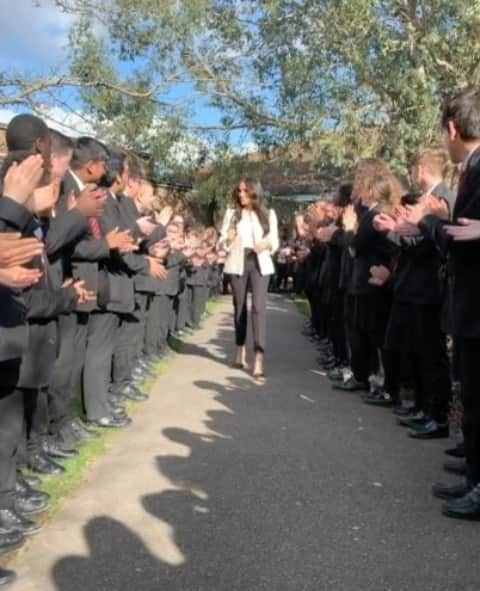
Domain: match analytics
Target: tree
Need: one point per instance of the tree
(348, 78)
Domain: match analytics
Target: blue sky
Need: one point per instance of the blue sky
(33, 40)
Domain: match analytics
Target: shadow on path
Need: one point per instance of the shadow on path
(286, 493)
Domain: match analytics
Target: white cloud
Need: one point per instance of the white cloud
(73, 123)
(33, 37)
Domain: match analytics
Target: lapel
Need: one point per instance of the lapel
(468, 185)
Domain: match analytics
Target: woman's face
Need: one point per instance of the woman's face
(244, 197)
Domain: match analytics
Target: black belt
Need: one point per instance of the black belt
(248, 252)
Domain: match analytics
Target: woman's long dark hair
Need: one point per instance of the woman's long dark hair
(255, 191)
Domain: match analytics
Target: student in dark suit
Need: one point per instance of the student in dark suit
(414, 331)
(132, 325)
(374, 189)
(115, 297)
(14, 277)
(461, 121)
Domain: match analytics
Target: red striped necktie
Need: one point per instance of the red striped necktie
(95, 227)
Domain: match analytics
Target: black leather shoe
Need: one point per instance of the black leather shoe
(451, 491)
(456, 452)
(30, 504)
(10, 541)
(22, 488)
(335, 374)
(379, 398)
(53, 450)
(30, 479)
(407, 412)
(352, 385)
(116, 398)
(80, 430)
(7, 577)
(42, 464)
(117, 411)
(419, 420)
(467, 507)
(431, 430)
(133, 393)
(458, 468)
(112, 422)
(11, 521)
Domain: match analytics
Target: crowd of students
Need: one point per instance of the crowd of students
(389, 272)
(95, 275)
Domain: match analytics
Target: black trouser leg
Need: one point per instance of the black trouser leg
(259, 286)
(468, 358)
(140, 314)
(339, 339)
(392, 366)
(62, 397)
(239, 285)
(197, 304)
(124, 351)
(80, 347)
(11, 428)
(182, 310)
(437, 377)
(152, 326)
(164, 311)
(36, 418)
(360, 354)
(102, 330)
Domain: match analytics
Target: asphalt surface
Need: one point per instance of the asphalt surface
(225, 485)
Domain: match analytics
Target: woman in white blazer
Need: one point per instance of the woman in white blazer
(250, 235)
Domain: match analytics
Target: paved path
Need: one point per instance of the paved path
(224, 485)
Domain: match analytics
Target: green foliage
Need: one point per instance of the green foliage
(349, 77)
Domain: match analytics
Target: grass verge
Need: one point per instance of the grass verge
(302, 304)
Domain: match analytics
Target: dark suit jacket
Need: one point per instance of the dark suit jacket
(369, 248)
(13, 310)
(85, 252)
(464, 257)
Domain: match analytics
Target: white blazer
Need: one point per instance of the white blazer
(235, 259)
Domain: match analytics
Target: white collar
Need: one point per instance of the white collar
(80, 184)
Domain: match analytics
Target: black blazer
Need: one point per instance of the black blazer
(13, 310)
(86, 251)
(369, 248)
(464, 257)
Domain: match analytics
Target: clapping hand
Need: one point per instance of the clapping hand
(22, 179)
(19, 277)
(379, 275)
(467, 230)
(15, 250)
(146, 225)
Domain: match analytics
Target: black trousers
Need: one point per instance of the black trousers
(80, 348)
(141, 305)
(337, 329)
(124, 351)
(11, 429)
(62, 397)
(35, 428)
(101, 334)
(251, 279)
(152, 326)
(414, 332)
(182, 303)
(197, 299)
(468, 360)
(164, 311)
(367, 333)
